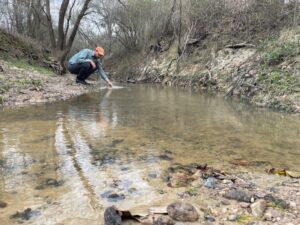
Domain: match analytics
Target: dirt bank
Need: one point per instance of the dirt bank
(21, 86)
(265, 73)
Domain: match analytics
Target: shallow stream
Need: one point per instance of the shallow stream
(69, 160)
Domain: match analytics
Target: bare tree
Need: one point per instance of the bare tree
(63, 43)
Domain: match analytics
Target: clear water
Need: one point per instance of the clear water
(62, 160)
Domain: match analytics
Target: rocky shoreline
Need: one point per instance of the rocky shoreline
(193, 195)
(208, 196)
(20, 86)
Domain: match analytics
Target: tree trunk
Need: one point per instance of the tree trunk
(50, 25)
(63, 54)
(61, 34)
(17, 17)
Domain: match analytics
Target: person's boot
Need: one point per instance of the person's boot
(79, 81)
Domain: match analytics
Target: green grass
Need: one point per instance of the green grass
(30, 82)
(280, 81)
(22, 64)
(244, 219)
(193, 191)
(274, 52)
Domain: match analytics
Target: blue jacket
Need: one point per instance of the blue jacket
(86, 55)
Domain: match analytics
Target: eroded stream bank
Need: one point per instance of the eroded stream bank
(141, 146)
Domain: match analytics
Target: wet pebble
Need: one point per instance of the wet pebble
(112, 197)
(27, 214)
(3, 204)
(124, 168)
(132, 190)
(153, 174)
(2, 163)
(161, 192)
(49, 183)
(210, 218)
(52, 182)
(115, 197)
(165, 157)
(112, 217)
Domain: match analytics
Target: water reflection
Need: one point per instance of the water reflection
(71, 159)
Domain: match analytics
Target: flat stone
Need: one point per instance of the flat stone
(182, 212)
(258, 208)
(238, 195)
(225, 202)
(244, 205)
(3, 204)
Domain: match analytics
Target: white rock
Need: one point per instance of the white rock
(232, 218)
(258, 208)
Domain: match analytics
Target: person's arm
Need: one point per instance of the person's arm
(102, 74)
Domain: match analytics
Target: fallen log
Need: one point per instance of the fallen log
(240, 45)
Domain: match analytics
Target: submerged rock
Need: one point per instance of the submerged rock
(165, 157)
(25, 215)
(50, 182)
(210, 218)
(112, 196)
(3, 204)
(116, 141)
(182, 212)
(112, 217)
(153, 174)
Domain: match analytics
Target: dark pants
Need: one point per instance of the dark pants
(82, 70)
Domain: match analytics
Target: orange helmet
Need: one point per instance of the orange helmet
(100, 51)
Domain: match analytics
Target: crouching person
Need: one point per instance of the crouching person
(86, 62)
